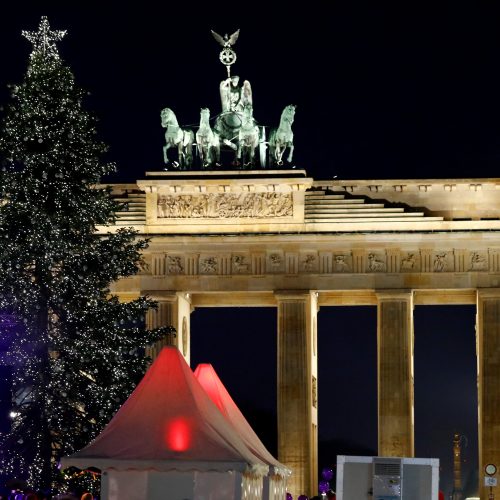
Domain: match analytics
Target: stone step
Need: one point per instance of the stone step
(125, 199)
(137, 222)
(344, 207)
(355, 220)
(322, 196)
(130, 214)
(369, 215)
(135, 204)
(325, 211)
(340, 201)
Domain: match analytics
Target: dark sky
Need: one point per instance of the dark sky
(382, 92)
(408, 91)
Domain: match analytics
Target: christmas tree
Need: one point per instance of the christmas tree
(78, 351)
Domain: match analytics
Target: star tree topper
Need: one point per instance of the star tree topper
(44, 39)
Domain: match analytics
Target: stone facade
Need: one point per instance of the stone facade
(281, 239)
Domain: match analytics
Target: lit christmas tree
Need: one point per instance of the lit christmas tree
(78, 352)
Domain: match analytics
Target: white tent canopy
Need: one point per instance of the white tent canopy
(218, 393)
(170, 432)
(275, 483)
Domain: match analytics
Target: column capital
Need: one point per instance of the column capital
(166, 295)
(394, 294)
(283, 295)
(486, 293)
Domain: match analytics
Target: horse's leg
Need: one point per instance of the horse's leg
(239, 152)
(217, 154)
(180, 156)
(165, 156)
(279, 155)
(189, 156)
(199, 148)
(290, 154)
(251, 154)
(208, 156)
(201, 152)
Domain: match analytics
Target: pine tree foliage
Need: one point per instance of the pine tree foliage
(78, 351)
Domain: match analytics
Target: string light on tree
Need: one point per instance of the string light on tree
(77, 350)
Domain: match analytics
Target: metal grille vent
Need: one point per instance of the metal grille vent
(387, 469)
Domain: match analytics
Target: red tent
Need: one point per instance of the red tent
(275, 483)
(168, 424)
(214, 387)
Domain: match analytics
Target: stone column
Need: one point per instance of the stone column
(297, 389)
(174, 309)
(488, 376)
(395, 374)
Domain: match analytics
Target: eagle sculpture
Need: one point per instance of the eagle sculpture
(226, 41)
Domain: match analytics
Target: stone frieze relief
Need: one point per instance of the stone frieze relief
(225, 206)
(273, 262)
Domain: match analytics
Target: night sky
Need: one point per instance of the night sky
(408, 91)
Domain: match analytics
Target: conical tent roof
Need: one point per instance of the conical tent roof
(218, 393)
(168, 422)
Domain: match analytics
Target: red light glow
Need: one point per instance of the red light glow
(207, 378)
(178, 434)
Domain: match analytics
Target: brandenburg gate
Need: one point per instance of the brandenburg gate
(278, 238)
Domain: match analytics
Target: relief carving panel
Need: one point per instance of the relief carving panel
(175, 264)
(309, 263)
(410, 262)
(241, 264)
(478, 261)
(209, 265)
(342, 264)
(225, 206)
(441, 262)
(376, 263)
(275, 262)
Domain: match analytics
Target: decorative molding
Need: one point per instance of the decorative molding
(356, 261)
(225, 205)
(494, 259)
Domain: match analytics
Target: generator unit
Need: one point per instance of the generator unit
(387, 478)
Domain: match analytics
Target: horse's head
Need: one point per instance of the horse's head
(289, 113)
(204, 114)
(166, 116)
(247, 115)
